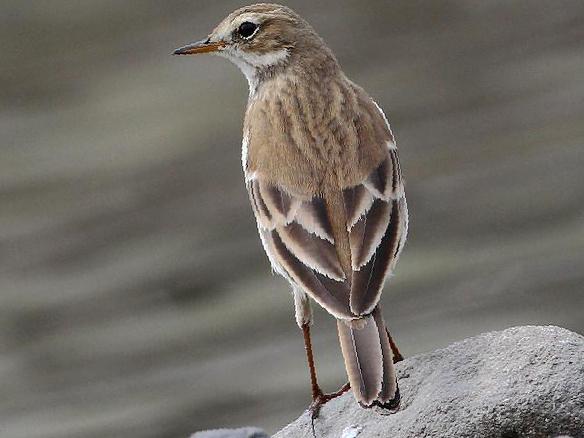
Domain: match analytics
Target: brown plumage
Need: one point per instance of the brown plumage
(324, 181)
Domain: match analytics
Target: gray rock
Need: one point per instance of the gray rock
(521, 382)
(246, 432)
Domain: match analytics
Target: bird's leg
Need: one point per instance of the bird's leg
(316, 391)
(319, 398)
(303, 314)
(397, 356)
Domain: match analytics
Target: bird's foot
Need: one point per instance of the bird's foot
(319, 398)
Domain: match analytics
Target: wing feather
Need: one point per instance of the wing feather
(379, 181)
(366, 235)
(335, 300)
(312, 215)
(358, 200)
(318, 254)
(260, 209)
(278, 203)
(298, 236)
(368, 281)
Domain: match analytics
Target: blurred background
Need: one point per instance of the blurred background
(135, 299)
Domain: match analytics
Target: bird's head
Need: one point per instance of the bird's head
(259, 38)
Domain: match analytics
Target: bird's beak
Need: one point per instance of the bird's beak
(203, 46)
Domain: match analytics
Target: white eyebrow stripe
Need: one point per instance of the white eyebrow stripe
(267, 59)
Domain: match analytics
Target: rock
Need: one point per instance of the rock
(246, 432)
(518, 383)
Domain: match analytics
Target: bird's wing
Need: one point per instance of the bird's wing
(299, 238)
(377, 222)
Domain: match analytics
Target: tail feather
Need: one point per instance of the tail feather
(368, 359)
(389, 383)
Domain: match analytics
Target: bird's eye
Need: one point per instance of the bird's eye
(247, 29)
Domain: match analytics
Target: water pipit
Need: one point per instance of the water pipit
(324, 180)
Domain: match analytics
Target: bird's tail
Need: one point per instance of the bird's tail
(369, 360)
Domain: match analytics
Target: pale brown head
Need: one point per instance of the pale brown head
(262, 37)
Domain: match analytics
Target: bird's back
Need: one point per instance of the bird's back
(322, 141)
(312, 135)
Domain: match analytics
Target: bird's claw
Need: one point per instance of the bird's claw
(319, 398)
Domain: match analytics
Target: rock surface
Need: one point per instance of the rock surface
(246, 432)
(520, 382)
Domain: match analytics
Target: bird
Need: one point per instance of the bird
(325, 184)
